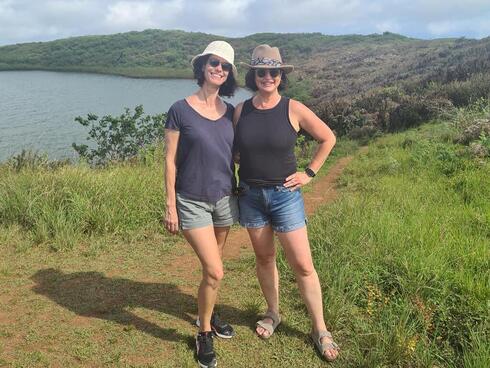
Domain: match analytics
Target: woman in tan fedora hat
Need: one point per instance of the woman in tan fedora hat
(270, 200)
(199, 178)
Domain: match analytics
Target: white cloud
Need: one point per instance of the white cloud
(138, 15)
(440, 28)
(479, 25)
(388, 26)
(130, 14)
(32, 20)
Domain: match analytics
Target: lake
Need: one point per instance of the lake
(37, 108)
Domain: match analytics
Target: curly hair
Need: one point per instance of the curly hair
(251, 85)
(226, 89)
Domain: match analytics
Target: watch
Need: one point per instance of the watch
(310, 172)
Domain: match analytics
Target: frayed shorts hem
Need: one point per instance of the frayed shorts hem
(277, 229)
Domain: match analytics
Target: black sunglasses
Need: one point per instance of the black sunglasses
(215, 62)
(272, 72)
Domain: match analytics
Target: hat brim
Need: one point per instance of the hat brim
(235, 72)
(284, 67)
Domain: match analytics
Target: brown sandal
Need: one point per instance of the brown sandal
(269, 327)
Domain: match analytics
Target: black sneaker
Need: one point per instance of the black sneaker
(220, 328)
(205, 351)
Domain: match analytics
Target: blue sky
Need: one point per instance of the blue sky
(37, 20)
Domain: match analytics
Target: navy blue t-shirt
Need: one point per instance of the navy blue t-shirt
(205, 168)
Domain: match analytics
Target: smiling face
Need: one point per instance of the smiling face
(267, 80)
(216, 70)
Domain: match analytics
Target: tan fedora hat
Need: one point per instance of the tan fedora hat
(266, 57)
(219, 48)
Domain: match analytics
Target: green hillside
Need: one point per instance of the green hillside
(154, 51)
(361, 85)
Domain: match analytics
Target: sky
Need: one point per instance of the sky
(38, 20)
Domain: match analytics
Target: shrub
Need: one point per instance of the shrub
(411, 112)
(364, 133)
(463, 93)
(119, 138)
(480, 128)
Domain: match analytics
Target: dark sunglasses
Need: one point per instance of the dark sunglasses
(215, 62)
(272, 72)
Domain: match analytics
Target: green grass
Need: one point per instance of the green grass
(60, 206)
(402, 255)
(63, 206)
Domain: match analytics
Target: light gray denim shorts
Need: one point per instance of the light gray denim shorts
(194, 214)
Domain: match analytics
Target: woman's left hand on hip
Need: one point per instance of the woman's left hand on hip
(297, 180)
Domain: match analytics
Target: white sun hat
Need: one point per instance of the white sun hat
(219, 48)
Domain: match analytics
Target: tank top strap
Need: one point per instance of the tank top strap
(284, 103)
(248, 106)
(284, 108)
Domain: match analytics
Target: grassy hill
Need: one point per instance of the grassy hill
(360, 85)
(336, 65)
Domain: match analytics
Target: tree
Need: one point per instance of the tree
(119, 138)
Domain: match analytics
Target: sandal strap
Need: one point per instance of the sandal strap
(266, 326)
(326, 345)
(330, 345)
(270, 327)
(276, 318)
(324, 333)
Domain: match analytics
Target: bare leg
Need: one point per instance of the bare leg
(221, 234)
(297, 249)
(265, 253)
(203, 241)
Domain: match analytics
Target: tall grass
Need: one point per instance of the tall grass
(403, 256)
(60, 206)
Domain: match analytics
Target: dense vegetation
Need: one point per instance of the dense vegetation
(360, 85)
(402, 256)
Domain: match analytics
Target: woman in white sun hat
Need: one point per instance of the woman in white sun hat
(270, 200)
(200, 181)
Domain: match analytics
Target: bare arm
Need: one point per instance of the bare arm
(306, 119)
(171, 143)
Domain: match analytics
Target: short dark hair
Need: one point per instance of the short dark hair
(226, 89)
(251, 85)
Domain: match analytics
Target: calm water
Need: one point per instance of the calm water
(37, 109)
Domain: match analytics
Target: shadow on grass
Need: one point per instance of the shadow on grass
(91, 294)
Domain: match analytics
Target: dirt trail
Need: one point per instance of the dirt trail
(81, 296)
(323, 191)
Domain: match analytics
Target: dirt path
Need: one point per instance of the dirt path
(323, 191)
(136, 304)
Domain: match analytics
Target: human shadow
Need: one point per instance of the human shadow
(92, 294)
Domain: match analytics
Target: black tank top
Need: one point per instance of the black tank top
(265, 140)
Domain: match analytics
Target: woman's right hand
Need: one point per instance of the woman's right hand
(172, 220)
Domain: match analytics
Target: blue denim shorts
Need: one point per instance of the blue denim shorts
(259, 206)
